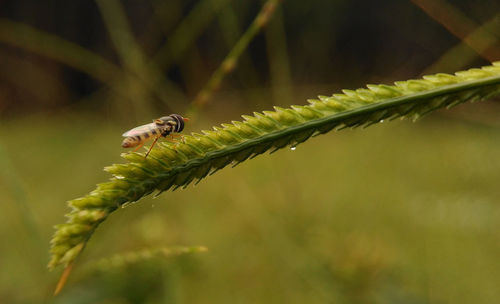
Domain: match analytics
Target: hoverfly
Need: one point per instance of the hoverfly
(161, 127)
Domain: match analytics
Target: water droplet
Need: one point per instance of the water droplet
(293, 148)
(381, 121)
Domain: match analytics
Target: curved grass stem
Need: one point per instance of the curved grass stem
(174, 165)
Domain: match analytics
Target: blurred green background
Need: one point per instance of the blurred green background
(395, 213)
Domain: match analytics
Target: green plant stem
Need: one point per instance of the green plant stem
(55, 48)
(132, 57)
(50, 46)
(10, 177)
(459, 25)
(231, 30)
(185, 34)
(231, 60)
(170, 166)
(279, 66)
(462, 55)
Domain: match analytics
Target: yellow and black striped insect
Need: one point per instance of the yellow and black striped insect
(161, 127)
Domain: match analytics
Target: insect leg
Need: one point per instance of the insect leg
(139, 146)
(176, 135)
(170, 140)
(152, 145)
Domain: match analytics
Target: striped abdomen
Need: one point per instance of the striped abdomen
(139, 137)
(162, 126)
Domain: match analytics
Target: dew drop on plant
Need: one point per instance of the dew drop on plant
(293, 148)
(381, 121)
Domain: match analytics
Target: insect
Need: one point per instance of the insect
(161, 127)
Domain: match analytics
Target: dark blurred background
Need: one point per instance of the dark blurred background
(396, 213)
(335, 44)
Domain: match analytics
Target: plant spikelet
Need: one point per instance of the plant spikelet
(119, 261)
(172, 166)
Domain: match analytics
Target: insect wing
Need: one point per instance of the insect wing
(140, 130)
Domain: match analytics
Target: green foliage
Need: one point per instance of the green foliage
(137, 276)
(171, 166)
(122, 260)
